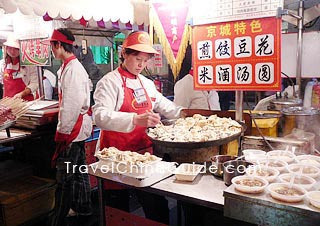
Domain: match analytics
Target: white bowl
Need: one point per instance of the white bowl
(285, 193)
(314, 198)
(268, 173)
(284, 155)
(303, 181)
(249, 184)
(309, 160)
(188, 171)
(253, 155)
(310, 171)
(280, 165)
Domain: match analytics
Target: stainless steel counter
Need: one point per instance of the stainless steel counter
(262, 209)
(209, 191)
(205, 190)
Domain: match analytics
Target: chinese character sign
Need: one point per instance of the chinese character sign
(33, 52)
(215, 11)
(238, 55)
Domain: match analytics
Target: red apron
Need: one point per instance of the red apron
(13, 86)
(132, 141)
(63, 140)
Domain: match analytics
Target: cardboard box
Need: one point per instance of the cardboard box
(25, 198)
(268, 127)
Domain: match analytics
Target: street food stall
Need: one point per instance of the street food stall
(237, 46)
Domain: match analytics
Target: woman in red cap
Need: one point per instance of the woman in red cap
(125, 102)
(18, 81)
(74, 127)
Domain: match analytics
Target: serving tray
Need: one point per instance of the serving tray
(164, 170)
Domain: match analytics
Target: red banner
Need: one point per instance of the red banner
(170, 26)
(238, 55)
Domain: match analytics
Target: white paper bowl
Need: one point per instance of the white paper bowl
(188, 171)
(311, 160)
(268, 173)
(303, 181)
(253, 155)
(249, 184)
(314, 198)
(284, 155)
(279, 191)
(310, 171)
(280, 165)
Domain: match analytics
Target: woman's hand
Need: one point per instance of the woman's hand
(18, 95)
(25, 92)
(148, 119)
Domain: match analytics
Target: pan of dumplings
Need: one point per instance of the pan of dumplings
(196, 131)
(129, 162)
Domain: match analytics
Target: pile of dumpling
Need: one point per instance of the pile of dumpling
(126, 157)
(197, 128)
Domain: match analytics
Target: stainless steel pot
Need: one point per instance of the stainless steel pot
(307, 119)
(278, 104)
(217, 163)
(234, 168)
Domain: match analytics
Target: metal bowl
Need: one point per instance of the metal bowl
(217, 164)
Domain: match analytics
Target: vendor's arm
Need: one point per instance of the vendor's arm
(25, 92)
(108, 97)
(2, 65)
(30, 78)
(32, 73)
(148, 119)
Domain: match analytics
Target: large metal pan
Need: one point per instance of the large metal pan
(201, 144)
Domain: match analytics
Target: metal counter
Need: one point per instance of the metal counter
(262, 209)
(205, 190)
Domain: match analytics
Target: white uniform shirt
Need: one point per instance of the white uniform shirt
(74, 85)
(185, 95)
(48, 84)
(109, 96)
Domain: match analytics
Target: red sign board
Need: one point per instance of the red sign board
(33, 52)
(238, 55)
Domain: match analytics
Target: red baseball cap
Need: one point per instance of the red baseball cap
(140, 41)
(57, 36)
